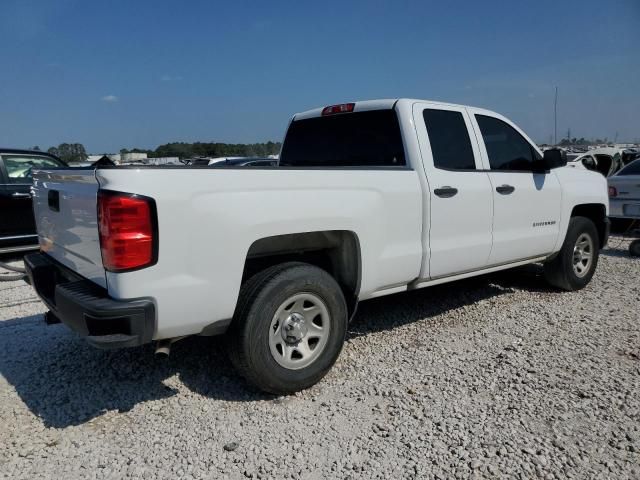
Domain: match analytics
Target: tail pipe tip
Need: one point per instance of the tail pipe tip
(163, 348)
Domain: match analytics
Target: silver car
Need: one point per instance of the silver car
(624, 192)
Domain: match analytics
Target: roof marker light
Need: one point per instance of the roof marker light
(335, 109)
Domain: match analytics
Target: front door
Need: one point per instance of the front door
(15, 197)
(526, 203)
(460, 199)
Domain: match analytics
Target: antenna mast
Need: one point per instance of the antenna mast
(555, 118)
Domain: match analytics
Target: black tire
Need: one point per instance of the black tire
(260, 298)
(634, 248)
(559, 272)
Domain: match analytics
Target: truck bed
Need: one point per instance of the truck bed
(208, 218)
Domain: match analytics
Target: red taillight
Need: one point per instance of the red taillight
(128, 233)
(613, 192)
(342, 108)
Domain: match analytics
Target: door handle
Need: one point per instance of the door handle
(445, 192)
(505, 189)
(21, 195)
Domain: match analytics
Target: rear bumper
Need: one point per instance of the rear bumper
(86, 307)
(618, 208)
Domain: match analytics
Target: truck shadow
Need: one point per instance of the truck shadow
(66, 382)
(619, 252)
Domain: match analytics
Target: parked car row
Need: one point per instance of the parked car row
(607, 160)
(232, 162)
(17, 225)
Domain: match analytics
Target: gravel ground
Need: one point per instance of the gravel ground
(496, 376)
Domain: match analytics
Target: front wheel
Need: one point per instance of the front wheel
(575, 264)
(289, 327)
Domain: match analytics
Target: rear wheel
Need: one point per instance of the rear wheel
(575, 264)
(289, 327)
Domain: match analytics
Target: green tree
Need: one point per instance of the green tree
(70, 152)
(214, 149)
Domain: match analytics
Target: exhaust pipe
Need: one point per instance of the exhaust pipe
(163, 348)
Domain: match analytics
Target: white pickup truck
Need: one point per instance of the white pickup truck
(369, 199)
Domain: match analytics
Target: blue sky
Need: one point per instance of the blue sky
(113, 74)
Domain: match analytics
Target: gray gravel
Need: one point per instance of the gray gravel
(491, 377)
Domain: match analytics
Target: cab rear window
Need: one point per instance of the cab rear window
(360, 139)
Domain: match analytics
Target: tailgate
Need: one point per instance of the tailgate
(65, 208)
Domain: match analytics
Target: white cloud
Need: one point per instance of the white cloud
(170, 78)
(109, 99)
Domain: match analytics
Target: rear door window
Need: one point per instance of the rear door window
(359, 139)
(449, 139)
(507, 149)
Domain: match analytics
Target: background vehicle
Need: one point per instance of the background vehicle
(607, 160)
(17, 225)
(247, 162)
(369, 198)
(624, 192)
(231, 161)
(624, 199)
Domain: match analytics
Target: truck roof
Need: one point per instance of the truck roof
(380, 104)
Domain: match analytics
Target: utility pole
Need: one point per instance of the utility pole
(555, 118)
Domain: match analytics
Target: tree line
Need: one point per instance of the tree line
(565, 142)
(210, 149)
(75, 152)
(69, 152)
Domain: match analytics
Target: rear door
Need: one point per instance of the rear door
(17, 208)
(460, 198)
(526, 204)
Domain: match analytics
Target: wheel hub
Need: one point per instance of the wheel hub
(294, 328)
(299, 331)
(583, 252)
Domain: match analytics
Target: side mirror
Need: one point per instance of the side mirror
(554, 158)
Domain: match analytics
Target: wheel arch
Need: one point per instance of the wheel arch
(597, 213)
(335, 251)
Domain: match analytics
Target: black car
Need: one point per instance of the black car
(17, 225)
